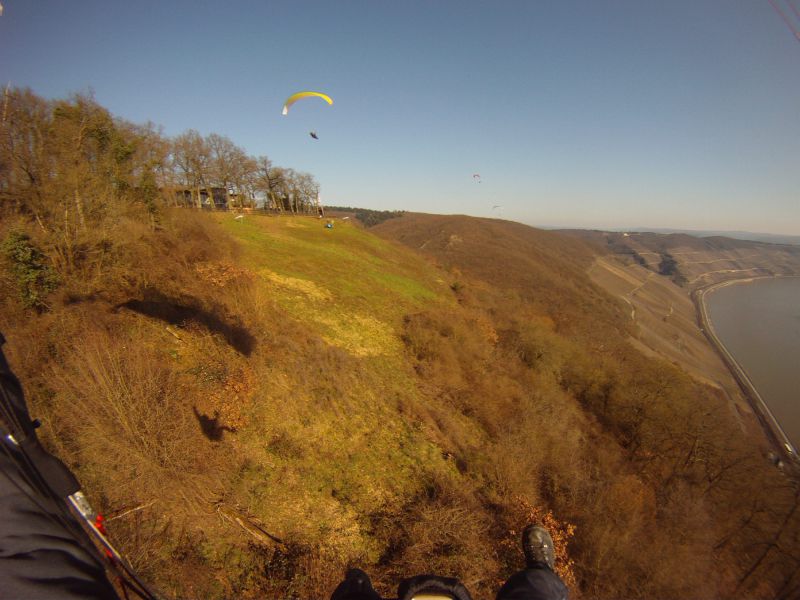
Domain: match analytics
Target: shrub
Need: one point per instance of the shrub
(669, 268)
(34, 278)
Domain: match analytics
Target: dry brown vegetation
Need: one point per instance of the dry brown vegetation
(668, 482)
(211, 384)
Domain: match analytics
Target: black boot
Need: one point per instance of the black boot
(538, 547)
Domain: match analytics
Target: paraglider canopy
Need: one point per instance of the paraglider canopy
(299, 95)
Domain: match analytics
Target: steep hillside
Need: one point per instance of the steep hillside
(620, 356)
(664, 322)
(546, 269)
(656, 275)
(264, 379)
(258, 403)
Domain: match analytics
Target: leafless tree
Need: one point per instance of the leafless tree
(192, 158)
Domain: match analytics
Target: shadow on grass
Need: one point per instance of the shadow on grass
(210, 425)
(160, 307)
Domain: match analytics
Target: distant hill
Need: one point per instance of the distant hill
(769, 238)
(693, 261)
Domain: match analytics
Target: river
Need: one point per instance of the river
(759, 324)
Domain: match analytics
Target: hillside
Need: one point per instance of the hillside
(263, 378)
(314, 398)
(656, 275)
(546, 269)
(769, 238)
(653, 300)
(693, 262)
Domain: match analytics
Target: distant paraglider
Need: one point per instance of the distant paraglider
(476, 177)
(299, 95)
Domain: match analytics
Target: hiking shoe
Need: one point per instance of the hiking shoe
(538, 547)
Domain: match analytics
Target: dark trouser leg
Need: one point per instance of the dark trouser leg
(356, 586)
(537, 583)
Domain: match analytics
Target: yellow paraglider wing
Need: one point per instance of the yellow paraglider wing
(295, 97)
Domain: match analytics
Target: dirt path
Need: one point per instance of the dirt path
(723, 271)
(625, 276)
(632, 293)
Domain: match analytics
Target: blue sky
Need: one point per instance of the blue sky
(613, 113)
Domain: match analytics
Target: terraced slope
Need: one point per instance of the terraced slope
(695, 262)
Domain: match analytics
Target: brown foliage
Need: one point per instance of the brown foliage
(443, 531)
(668, 463)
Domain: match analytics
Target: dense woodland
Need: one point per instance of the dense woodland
(246, 456)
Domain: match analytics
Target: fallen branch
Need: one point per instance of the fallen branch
(127, 512)
(173, 332)
(248, 524)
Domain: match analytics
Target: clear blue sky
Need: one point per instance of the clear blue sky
(613, 113)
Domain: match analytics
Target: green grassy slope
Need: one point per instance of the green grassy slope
(339, 448)
(353, 287)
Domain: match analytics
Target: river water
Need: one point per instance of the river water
(759, 324)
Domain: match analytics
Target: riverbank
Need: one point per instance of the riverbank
(769, 423)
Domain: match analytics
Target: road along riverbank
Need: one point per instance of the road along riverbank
(769, 423)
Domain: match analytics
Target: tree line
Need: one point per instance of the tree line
(367, 216)
(68, 162)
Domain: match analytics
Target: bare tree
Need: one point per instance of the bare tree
(224, 157)
(261, 182)
(23, 156)
(280, 180)
(307, 189)
(192, 157)
(243, 178)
